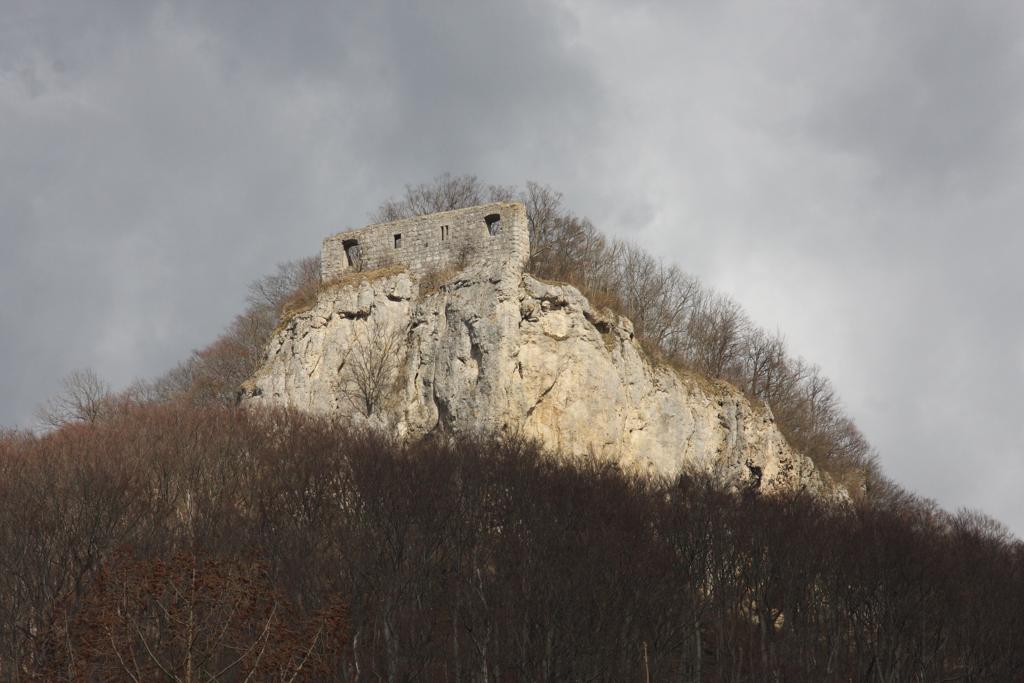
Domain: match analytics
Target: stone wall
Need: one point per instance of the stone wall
(495, 233)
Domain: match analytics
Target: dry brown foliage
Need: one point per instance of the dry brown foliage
(187, 619)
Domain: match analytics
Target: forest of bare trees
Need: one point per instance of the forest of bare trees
(198, 543)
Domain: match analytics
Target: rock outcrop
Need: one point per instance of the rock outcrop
(492, 349)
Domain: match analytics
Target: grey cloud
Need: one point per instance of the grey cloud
(928, 91)
(849, 172)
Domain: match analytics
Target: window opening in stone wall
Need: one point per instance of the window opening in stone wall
(493, 224)
(444, 232)
(398, 240)
(351, 248)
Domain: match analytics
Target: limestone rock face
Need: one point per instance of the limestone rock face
(496, 350)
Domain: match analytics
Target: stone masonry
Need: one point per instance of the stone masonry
(495, 233)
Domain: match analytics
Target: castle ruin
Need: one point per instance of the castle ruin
(492, 233)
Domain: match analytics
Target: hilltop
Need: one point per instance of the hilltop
(460, 340)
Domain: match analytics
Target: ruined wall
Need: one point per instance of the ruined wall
(432, 242)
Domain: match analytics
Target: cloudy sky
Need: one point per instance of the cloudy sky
(853, 173)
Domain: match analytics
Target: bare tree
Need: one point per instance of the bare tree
(717, 326)
(544, 212)
(214, 373)
(445, 193)
(371, 365)
(274, 291)
(84, 398)
(764, 362)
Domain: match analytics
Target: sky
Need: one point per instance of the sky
(852, 173)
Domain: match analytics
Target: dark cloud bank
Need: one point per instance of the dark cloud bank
(852, 175)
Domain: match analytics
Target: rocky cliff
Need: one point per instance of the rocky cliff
(493, 349)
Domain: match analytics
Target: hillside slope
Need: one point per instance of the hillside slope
(496, 350)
